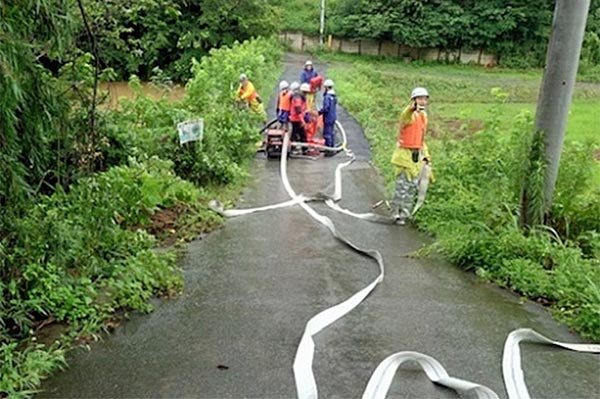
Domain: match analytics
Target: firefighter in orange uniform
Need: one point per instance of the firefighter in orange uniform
(410, 154)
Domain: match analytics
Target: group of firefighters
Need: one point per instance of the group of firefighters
(296, 106)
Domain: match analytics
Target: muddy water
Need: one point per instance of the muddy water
(121, 90)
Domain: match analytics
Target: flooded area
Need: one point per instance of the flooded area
(120, 90)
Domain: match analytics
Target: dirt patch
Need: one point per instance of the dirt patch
(164, 224)
(50, 331)
(597, 155)
(457, 128)
(181, 223)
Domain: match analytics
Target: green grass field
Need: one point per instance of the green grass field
(461, 95)
(583, 123)
(480, 121)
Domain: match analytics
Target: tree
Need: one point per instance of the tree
(512, 28)
(33, 108)
(135, 36)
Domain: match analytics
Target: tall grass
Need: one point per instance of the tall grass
(78, 256)
(473, 207)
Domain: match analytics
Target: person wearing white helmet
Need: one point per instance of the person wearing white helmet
(247, 93)
(305, 88)
(284, 104)
(308, 73)
(411, 154)
(329, 112)
(298, 112)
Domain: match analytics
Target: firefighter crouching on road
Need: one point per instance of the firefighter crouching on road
(284, 104)
(410, 154)
(247, 92)
(329, 115)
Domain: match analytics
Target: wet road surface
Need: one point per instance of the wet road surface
(251, 286)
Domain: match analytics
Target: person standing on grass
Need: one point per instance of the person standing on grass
(247, 93)
(329, 113)
(298, 113)
(411, 154)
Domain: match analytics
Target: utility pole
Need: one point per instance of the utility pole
(562, 60)
(322, 26)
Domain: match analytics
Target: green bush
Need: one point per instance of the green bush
(76, 257)
(473, 206)
(229, 132)
(135, 37)
(147, 126)
(21, 371)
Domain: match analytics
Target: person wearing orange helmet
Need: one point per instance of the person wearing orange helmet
(411, 154)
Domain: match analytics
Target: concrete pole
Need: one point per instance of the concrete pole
(322, 25)
(556, 94)
(562, 60)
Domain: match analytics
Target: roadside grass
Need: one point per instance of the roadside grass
(481, 124)
(460, 94)
(82, 258)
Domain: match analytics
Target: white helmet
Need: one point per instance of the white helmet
(328, 83)
(305, 87)
(307, 63)
(283, 85)
(419, 92)
(294, 86)
(243, 77)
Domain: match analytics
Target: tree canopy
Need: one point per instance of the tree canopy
(137, 35)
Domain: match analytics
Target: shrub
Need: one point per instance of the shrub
(473, 205)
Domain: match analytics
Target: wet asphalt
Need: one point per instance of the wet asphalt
(251, 286)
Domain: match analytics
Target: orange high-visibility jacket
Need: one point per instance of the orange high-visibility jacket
(412, 129)
(284, 102)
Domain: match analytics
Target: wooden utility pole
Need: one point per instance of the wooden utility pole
(562, 60)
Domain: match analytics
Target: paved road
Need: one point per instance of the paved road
(252, 285)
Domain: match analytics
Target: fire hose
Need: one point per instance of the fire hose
(382, 377)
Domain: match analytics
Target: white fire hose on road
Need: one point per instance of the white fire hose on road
(381, 379)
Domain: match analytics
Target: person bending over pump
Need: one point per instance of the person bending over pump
(298, 113)
(247, 92)
(329, 115)
(284, 104)
(411, 154)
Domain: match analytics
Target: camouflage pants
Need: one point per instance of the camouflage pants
(404, 195)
